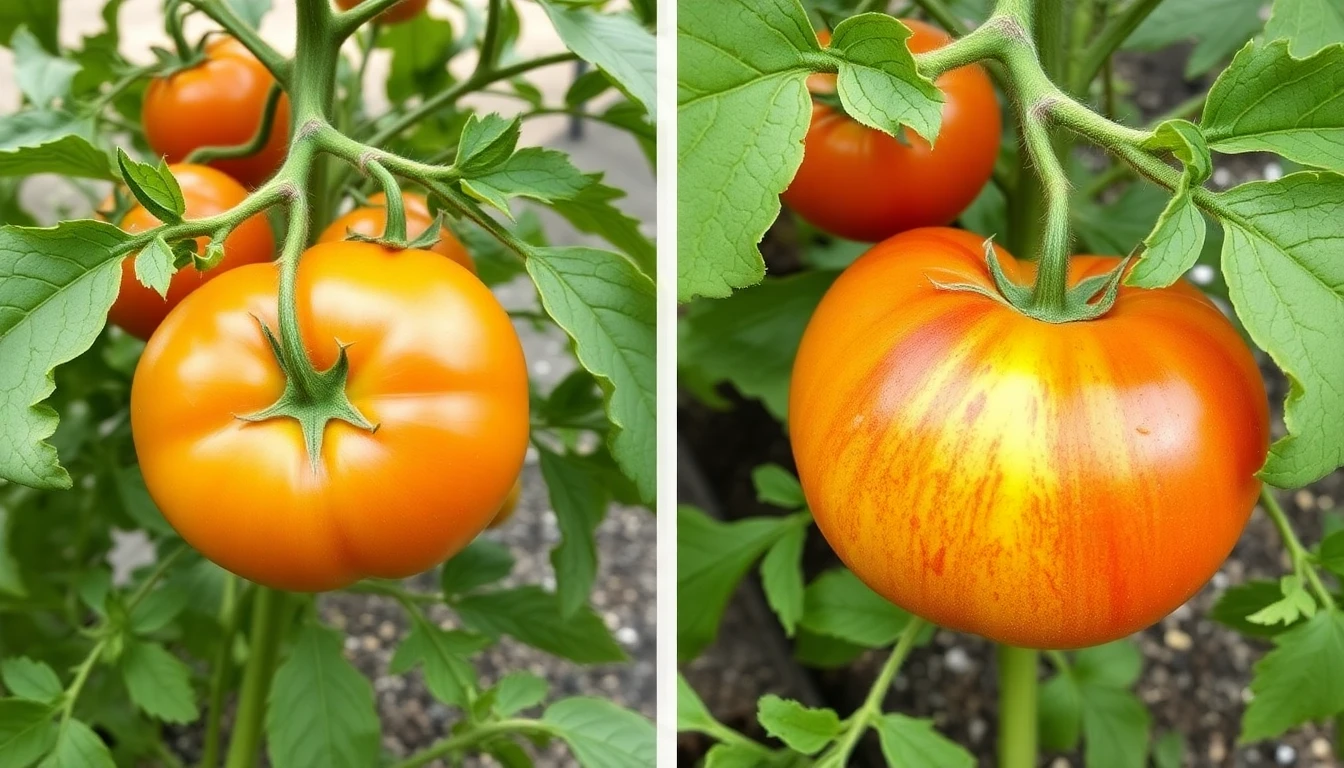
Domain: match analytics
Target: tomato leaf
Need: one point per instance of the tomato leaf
(1257, 105)
(445, 655)
(1243, 600)
(1295, 604)
(782, 578)
(32, 680)
(540, 174)
(486, 142)
(1113, 665)
(42, 18)
(692, 714)
(778, 486)
(532, 616)
(158, 682)
(42, 77)
(802, 729)
(154, 266)
(517, 691)
(878, 83)
(1174, 245)
(77, 746)
(482, 562)
(914, 741)
(1060, 702)
(1301, 679)
(1115, 728)
(607, 306)
(1331, 555)
(56, 286)
(592, 211)
(321, 709)
(1169, 750)
(580, 504)
(824, 651)
(154, 186)
(40, 141)
(742, 113)
(614, 43)
(1309, 25)
(1280, 258)
(837, 604)
(1218, 28)
(26, 731)
(601, 734)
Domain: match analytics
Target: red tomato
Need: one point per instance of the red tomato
(1043, 485)
(217, 103)
(434, 363)
(208, 192)
(402, 11)
(861, 184)
(371, 221)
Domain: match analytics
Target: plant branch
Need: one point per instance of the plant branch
(474, 736)
(1112, 35)
(1302, 560)
(269, 609)
(230, 617)
(224, 15)
(203, 155)
(1017, 707)
(347, 22)
(871, 709)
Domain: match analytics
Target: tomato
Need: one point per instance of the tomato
(402, 11)
(371, 221)
(217, 103)
(1043, 485)
(510, 504)
(861, 184)
(208, 192)
(434, 362)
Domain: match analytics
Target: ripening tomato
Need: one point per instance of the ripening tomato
(860, 183)
(1043, 485)
(402, 11)
(139, 310)
(434, 362)
(371, 221)
(217, 103)
(510, 504)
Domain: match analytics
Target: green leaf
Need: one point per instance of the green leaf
(42, 77)
(154, 266)
(135, 499)
(158, 682)
(421, 50)
(1173, 246)
(517, 691)
(1268, 101)
(824, 651)
(1309, 25)
(42, 18)
(839, 605)
(1281, 260)
(321, 710)
(1115, 228)
(608, 307)
(782, 578)
(1243, 600)
(26, 732)
(1185, 141)
(1115, 729)
(692, 714)
(778, 486)
(158, 609)
(486, 143)
(154, 186)
(742, 112)
(11, 581)
(1169, 750)
(908, 741)
(77, 746)
(712, 557)
(751, 338)
(1061, 713)
(1218, 28)
(1295, 604)
(803, 729)
(592, 211)
(539, 174)
(446, 656)
(1113, 665)
(741, 756)
(614, 43)
(56, 286)
(251, 11)
(482, 562)
(601, 734)
(1331, 554)
(878, 83)
(532, 616)
(580, 504)
(1301, 679)
(40, 141)
(32, 680)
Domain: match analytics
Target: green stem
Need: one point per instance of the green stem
(147, 585)
(223, 667)
(119, 87)
(349, 22)
(871, 709)
(253, 145)
(1302, 563)
(395, 231)
(490, 39)
(474, 736)
(81, 677)
(223, 14)
(172, 24)
(1017, 707)
(298, 365)
(1109, 40)
(269, 609)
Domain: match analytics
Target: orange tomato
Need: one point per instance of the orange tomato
(217, 103)
(510, 504)
(208, 192)
(1043, 485)
(434, 362)
(371, 221)
(402, 11)
(861, 184)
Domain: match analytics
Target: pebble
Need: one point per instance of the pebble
(1325, 502)
(1060, 762)
(1320, 748)
(958, 661)
(387, 630)
(1273, 171)
(1305, 501)
(627, 636)
(1178, 640)
(1285, 755)
(1217, 748)
(977, 729)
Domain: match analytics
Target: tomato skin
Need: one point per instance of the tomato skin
(217, 103)
(434, 362)
(371, 221)
(402, 11)
(510, 505)
(139, 310)
(1045, 486)
(861, 184)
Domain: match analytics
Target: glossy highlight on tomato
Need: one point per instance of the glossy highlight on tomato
(139, 310)
(1043, 485)
(434, 362)
(861, 184)
(218, 103)
(371, 221)
(402, 11)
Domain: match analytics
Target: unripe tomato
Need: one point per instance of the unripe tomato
(402, 11)
(1043, 485)
(510, 504)
(861, 184)
(139, 310)
(434, 362)
(217, 103)
(371, 221)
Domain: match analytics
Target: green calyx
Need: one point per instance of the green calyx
(1091, 298)
(312, 398)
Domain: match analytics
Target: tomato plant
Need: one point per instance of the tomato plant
(211, 411)
(960, 455)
